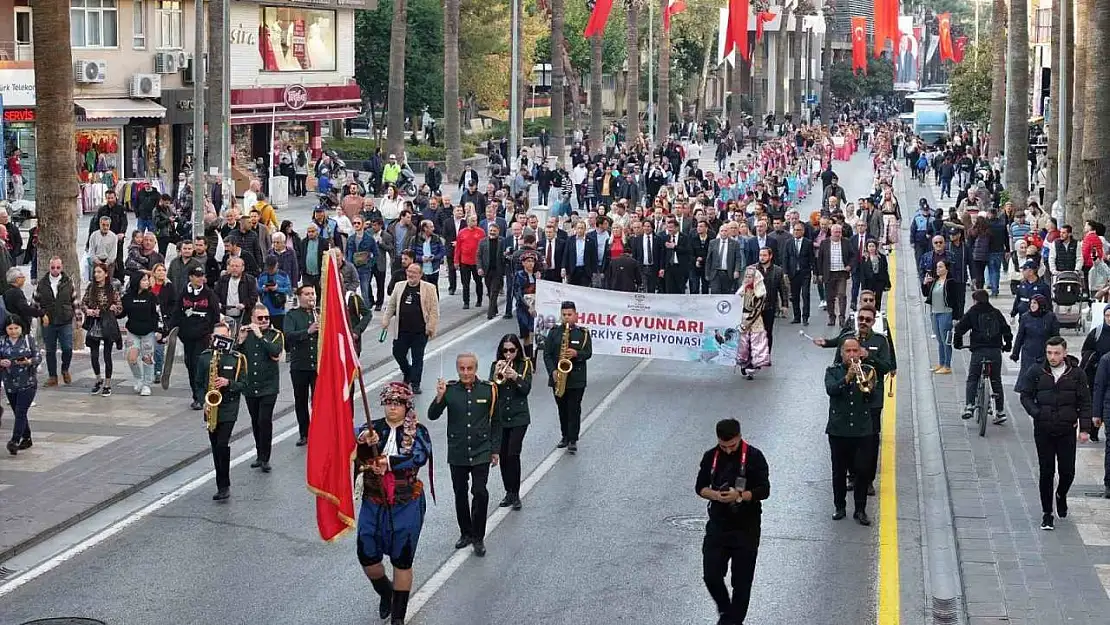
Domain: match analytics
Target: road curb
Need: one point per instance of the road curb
(943, 582)
(177, 466)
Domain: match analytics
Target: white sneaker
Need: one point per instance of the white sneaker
(138, 386)
(823, 305)
(145, 392)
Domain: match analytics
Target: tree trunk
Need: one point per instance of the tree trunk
(596, 131)
(451, 121)
(759, 87)
(213, 97)
(1074, 199)
(1051, 163)
(663, 104)
(1096, 144)
(558, 103)
(798, 84)
(998, 80)
(1017, 101)
(737, 79)
(395, 137)
(703, 80)
(575, 82)
(826, 74)
(55, 199)
(781, 67)
(632, 86)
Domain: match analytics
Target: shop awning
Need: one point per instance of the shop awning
(305, 115)
(109, 108)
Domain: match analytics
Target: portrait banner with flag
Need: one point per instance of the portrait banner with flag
(859, 44)
(906, 56)
(599, 16)
(331, 432)
(944, 27)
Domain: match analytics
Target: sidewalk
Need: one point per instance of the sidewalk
(93, 451)
(1012, 571)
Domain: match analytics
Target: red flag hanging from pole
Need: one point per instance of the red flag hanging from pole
(674, 7)
(944, 25)
(886, 24)
(331, 433)
(737, 37)
(859, 44)
(961, 48)
(760, 20)
(598, 18)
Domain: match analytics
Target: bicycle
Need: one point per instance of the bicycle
(983, 410)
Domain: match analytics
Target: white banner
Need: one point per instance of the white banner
(688, 328)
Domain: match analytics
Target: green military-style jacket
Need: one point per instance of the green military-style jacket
(233, 366)
(579, 340)
(880, 354)
(473, 422)
(512, 395)
(849, 408)
(262, 354)
(358, 317)
(301, 345)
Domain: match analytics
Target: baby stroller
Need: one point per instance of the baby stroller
(1067, 298)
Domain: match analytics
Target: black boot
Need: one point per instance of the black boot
(400, 606)
(384, 588)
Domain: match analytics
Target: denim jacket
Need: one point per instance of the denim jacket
(19, 377)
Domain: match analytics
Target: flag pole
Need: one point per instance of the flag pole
(365, 402)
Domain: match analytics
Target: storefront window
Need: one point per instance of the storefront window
(142, 152)
(297, 40)
(98, 164)
(22, 137)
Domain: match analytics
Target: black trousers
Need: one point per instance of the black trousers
(674, 279)
(651, 280)
(405, 344)
(466, 272)
(769, 325)
(717, 551)
(379, 281)
(579, 277)
(721, 282)
(304, 383)
(570, 413)
(220, 440)
(261, 410)
(850, 452)
(471, 516)
(975, 371)
(1055, 453)
(799, 294)
(432, 279)
(452, 274)
(511, 441)
(192, 354)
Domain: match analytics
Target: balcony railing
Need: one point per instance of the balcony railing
(16, 51)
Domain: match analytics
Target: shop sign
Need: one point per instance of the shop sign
(15, 116)
(185, 105)
(17, 86)
(241, 36)
(296, 97)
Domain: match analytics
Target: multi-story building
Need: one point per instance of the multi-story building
(134, 64)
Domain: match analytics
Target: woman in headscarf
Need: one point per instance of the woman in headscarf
(1034, 329)
(754, 351)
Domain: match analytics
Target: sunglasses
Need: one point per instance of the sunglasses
(867, 319)
(509, 350)
(262, 318)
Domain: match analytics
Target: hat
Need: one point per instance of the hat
(320, 208)
(397, 392)
(529, 254)
(196, 272)
(567, 305)
(1029, 265)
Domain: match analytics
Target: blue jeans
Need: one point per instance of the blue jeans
(159, 358)
(994, 271)
(143, 367)
(53, 335)
(946, 187)
(20, 401)
(364, 278)
(144, 225)
(942, 326)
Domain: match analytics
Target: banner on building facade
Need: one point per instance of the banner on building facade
(687, 328)
(906, 56)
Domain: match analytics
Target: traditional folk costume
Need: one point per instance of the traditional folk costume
(524, 294)
(754, 350)
(393, 505)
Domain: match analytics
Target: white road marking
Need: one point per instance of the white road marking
(444, 573)
(71, 552)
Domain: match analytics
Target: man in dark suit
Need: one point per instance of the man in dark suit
(676, 259)
(598, 244)
(835, 261)
(798, 261)
(578, 263)
(859, 248)
(699, 251)
(777, 292)
(551, 248)
(724, 262)
(763, 238)
(514, 241)
(492, 218)
(647, 249)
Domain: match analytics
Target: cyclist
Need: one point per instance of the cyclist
(990, 335)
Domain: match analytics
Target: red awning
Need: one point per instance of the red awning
(306, 115)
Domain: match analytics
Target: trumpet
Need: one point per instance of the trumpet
(864, 375)
(499, 375)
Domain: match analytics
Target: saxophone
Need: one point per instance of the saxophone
(564, 366)
(213, 398)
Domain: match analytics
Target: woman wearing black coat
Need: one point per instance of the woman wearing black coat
(874, 272)
(1034, 329)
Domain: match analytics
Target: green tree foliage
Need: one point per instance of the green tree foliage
(423, 55)
(878, 81)
(614, 51)
(969, 96)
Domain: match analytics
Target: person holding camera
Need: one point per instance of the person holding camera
(735, 478)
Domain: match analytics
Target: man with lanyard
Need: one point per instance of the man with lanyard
(196, 313)
(473, 441)
(302, 329)
(735, 478)
(578, 351)
(262, 345)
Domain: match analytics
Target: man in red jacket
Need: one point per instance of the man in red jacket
(466, 258)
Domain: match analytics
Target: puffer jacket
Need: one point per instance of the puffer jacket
(1057, 406)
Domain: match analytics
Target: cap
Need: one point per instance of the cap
(1029, 265)
(320, 208)
(567, 305)
(196, 272)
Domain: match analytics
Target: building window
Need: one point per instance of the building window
(92, 24)
(297, 40)
(169, 24)
(1043, 26)
(138, 25)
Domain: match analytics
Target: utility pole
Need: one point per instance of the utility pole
(514, 94)
(218, 97)
(1063, 119)
(651, 73)
(198, 122)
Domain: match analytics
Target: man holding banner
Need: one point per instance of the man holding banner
(578, 351)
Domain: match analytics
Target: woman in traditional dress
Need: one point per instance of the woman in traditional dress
(754, 351)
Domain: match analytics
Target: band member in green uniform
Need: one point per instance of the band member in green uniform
(302, 329)
(849, 428)
(358, 316)
(511, 371)
(577, 349)
(224, 380)
(473, 442)
(262, 345)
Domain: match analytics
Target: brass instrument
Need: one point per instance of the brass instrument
(499, 371)
(564, 366)
(865, 375)
(213, 398)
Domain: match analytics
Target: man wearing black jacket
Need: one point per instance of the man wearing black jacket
(798, 262)
(118, 216)
(676, 259)
(237, 292)
(56, 295)
(647, 249)
(735, 478)
(990, 336)
(195, 316)
(1056, 394)
(433, 177)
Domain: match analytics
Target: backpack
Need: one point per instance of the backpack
(987, 328)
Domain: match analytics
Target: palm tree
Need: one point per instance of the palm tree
(801, 10)
(596, 131)
(395, 138)
(739, 80)
(781, 51)
(451, 88)
(1074, 199)
(829, 11)
(55, 127)
(632, 84)
(1096, 128)
(214, 83)
(1017, 102)
(558, 104)
(663, 104)
(998, 78)
(1051, 164)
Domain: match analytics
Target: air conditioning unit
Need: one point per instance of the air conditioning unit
(90, 71)
(146, 86)
(166, 63)
(181, 59)
(189, 69)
